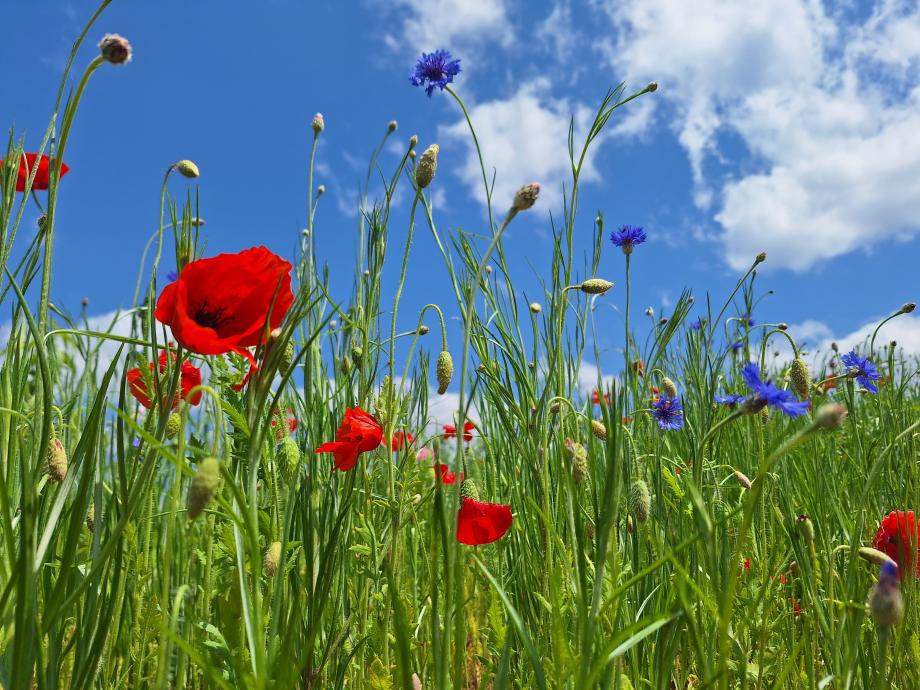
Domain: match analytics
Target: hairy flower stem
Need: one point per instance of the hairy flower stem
(627, 375)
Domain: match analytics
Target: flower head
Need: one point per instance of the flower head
(482, 523)
(450, 431)
(400, 439)
(115, 49)
(436, 69)
(730, 399)
(698, 324)
(765, 393)
(627, 237)
(443, 474)
(42, 176)
(862, 370)
(596, 398)
(190, 377)
(886, 602)
(668, 412)
(898, 537)
(358, 433)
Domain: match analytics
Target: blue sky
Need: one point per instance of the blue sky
(789, 127)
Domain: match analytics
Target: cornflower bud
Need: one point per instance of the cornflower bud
(318, 124)
(391, 126)
(760, 258)
(427, 166)
(526, 197)
(908, 307)
(652, 87)
(886, 603)
(115, 49)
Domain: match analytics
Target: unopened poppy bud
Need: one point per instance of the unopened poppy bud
(874, 556)
(427, 166)
(742, 479)
(84, 302)
(357, 354)
(667, 385)
(599, 430)
(535, 307)
(640, 501)
(445, 371)
(831, 416)
(56, 461)
(289, 458)
(305, 232)
(806, 529)
(423, 330)
(91, 518)
(760, 258)
(652, 87)
(886, 602)
(318, 124)
(272, 559)
(320, 191)
(578, 456)
(345, 365)
(115, 49)
(908, 307)
(173, 426)
(203, 487)
(469, 489)
(595, 286)
(526, 197)
(187, 168)
(801, 379)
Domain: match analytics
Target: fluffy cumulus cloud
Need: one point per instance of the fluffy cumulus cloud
(431, 24)
(826, 103)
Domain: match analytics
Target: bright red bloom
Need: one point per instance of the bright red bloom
(42, 177)
(442, 473)
(450, 431)
(279, 424)
(482, 523)
(639, 367)
(596, 398)
(746, 565)
(358, 433)
(190, 377)
(222, 304)
(626, 420)
(898, 536)
(401, 438)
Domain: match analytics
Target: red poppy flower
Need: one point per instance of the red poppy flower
(626, 420)
(442, 473)
(42, 177)
(401, 438)
(482, 523)
(899, 537)
(639, 367)
(596, 398)
(358, 433)
(746, 565)
(450, 431)
(796, 609)
(222, 304)
(190, 377)
(279, 424)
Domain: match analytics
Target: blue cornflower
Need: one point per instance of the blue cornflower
(698, 325)
(736, 345)
(668, 412)
(627, 237)
(172, 276)
(863, 370)
(765, 393)
(730, 399)
(747, 320)
(434, 69)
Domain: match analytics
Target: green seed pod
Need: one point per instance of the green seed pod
(56, 461)
(874, 556)
(445, 371)
(595, 286)
(173, 426)
(667, 385)
(599, 430)
(469, 490)
(272, 559)
(640, 501)
(345, 365)
(289, 458)
(357, 355)
(427, 166)
(801, 380)
(188, 168)
(91, 518)
(203, 487)
(578, 456)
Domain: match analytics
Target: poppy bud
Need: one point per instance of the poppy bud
(908, 307)
(318, 124)
(652, 87)
(667, 385)
(801, 380)
(320, 191)
(173, 426)
(187, 168)
(806, 529)
(203, 487)
(578, 455)
(640, 501)
(91, 518)
(289, 457)
(469, 489)
(886, 603)
(599, 430)
(874, 556)
(423, 330)
(760, 258)
(831, 416)
(56, 461)
(445, 371)
(742, 479)
(115, 49)
(526, 197)
(272, 559)
(427, 166)
(595, 286)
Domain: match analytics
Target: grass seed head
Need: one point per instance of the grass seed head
(173, 426)
(56, 461)
(599, 430)
(667, 385)
(640, 501)
(469, 489)
(272, 559)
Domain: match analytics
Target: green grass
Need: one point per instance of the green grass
(372, 589)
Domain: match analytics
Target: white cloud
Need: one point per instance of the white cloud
(815, 338)
(557, 31)
(431, 24)
(828, 110)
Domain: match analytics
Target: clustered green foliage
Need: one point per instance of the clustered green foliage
(219, 552)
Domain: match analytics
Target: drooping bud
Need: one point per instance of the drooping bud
(203, 487)
(599, 430)
(831, 416)
(115, 49)
(886, 603)
(578, 456)
(445, 371)
(427, 166)
(526, 197)
(742, 479)
(391, 126)
(874, 556)
(908, 307)
(640, 501)
(187, 168)
(91, 518)
(318, 124)
(56, 461)
(535, 307)
(595, 286)
(173, 426)
(667, 385)
(468, 489)
(272, 559)
(801, 379)
(289, 458)
(806, 529)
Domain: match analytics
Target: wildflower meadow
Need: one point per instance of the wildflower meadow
(247, 489)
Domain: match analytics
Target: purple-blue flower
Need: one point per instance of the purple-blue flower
(736, 345)
(628, 236)
(768, 394)
(698, 325)
(669, 413)
(730, 399)
(863, 370)
(172, 276)
(434, 69)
